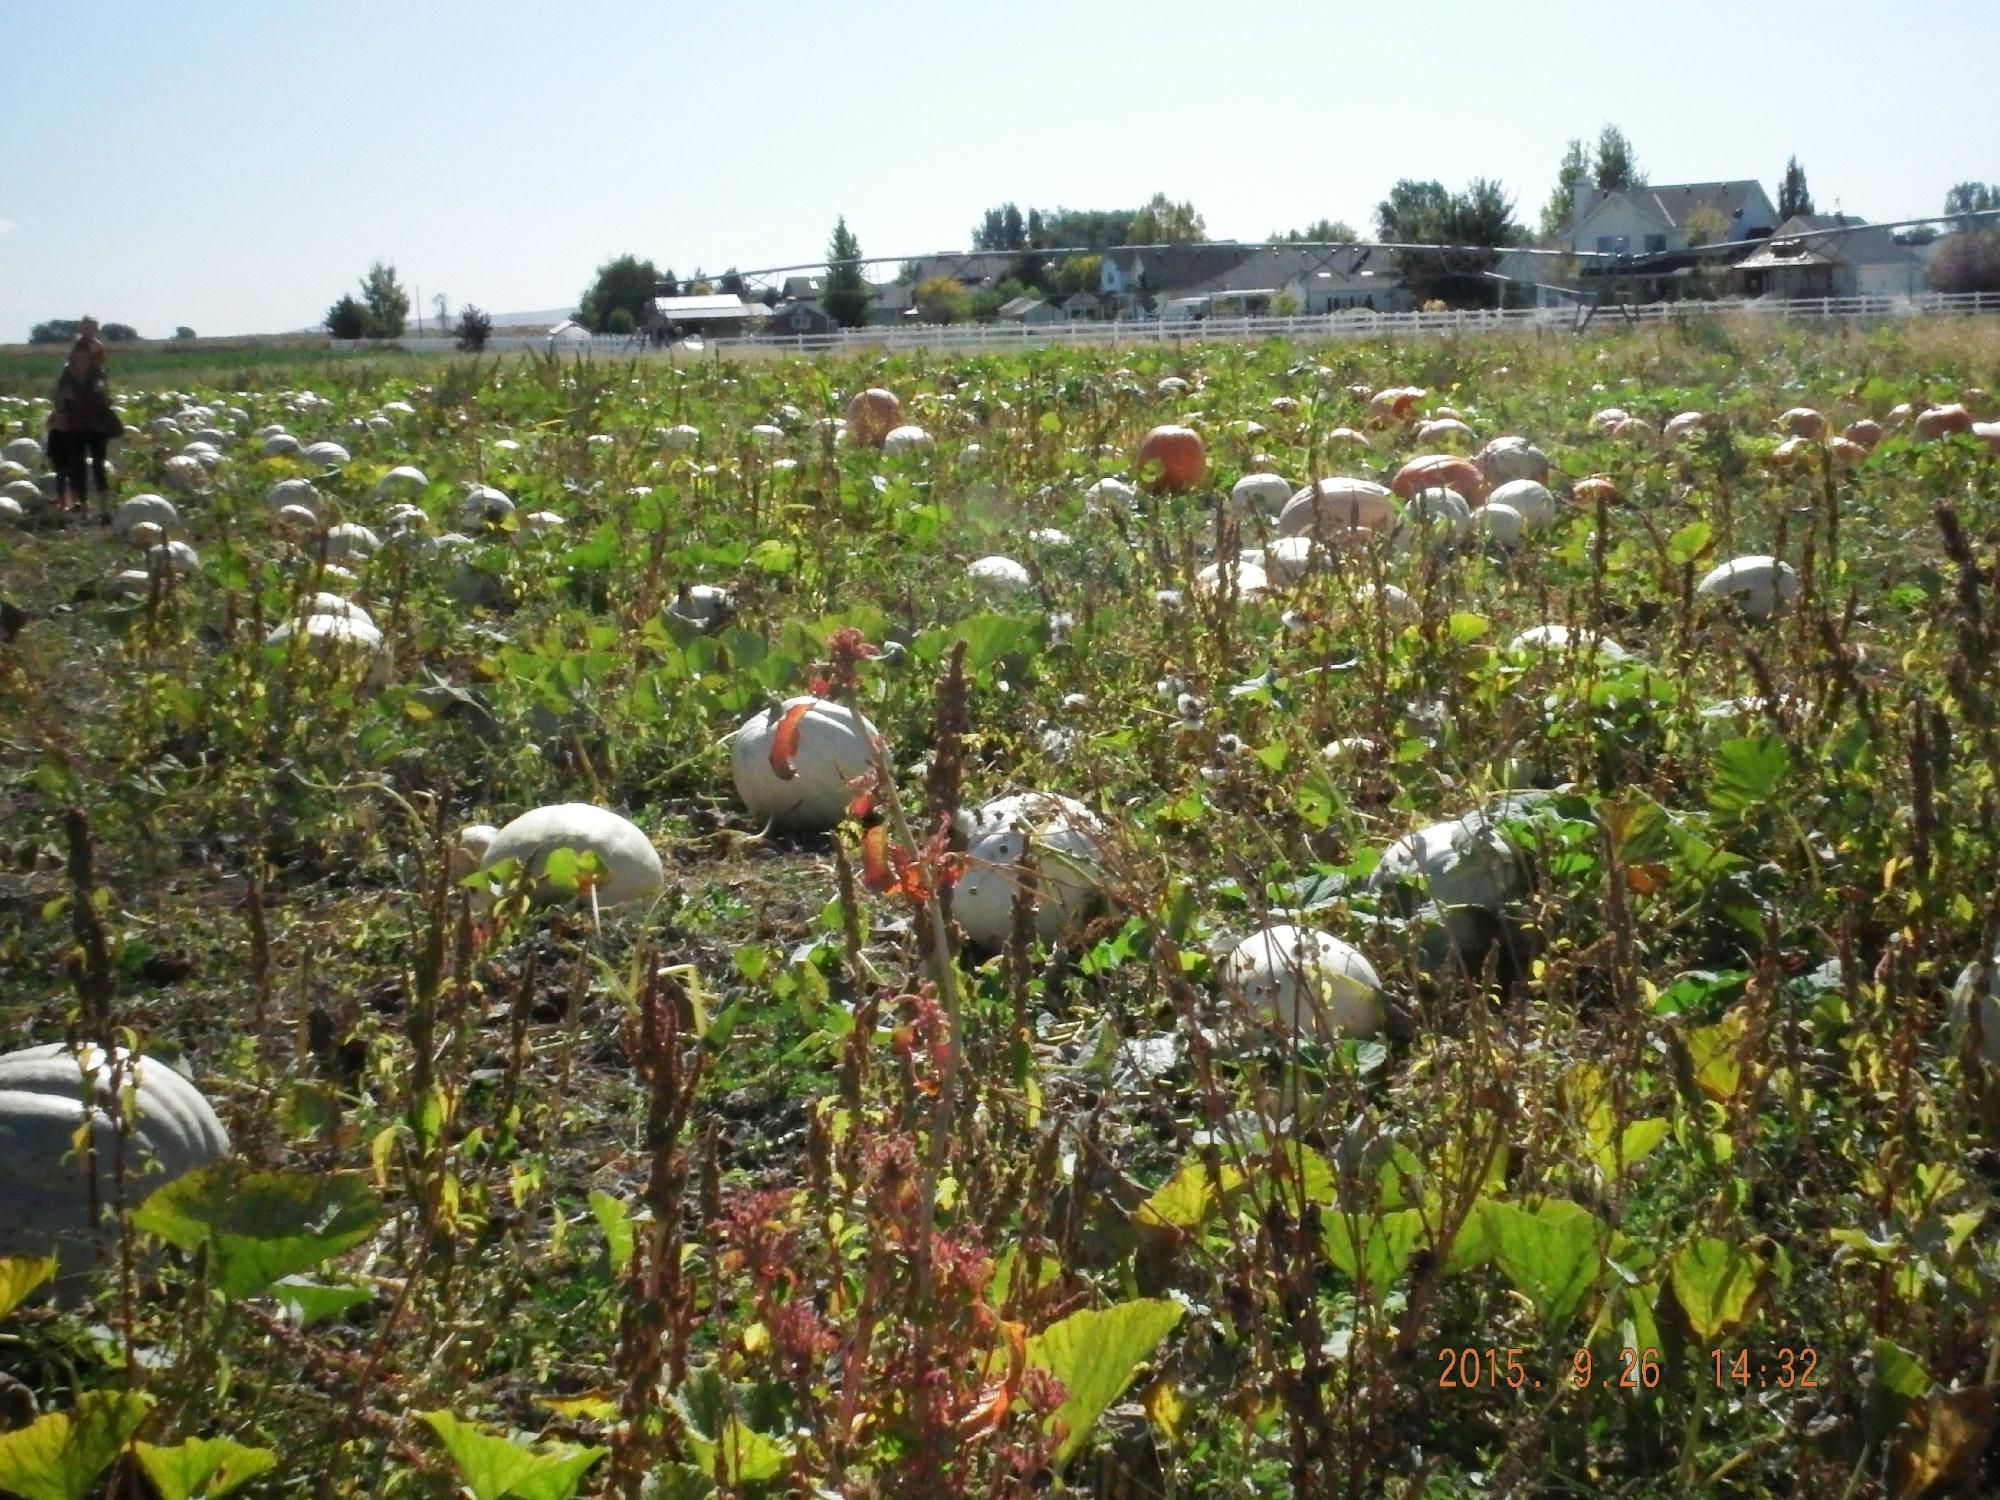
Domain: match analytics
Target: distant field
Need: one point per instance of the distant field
(224, 364)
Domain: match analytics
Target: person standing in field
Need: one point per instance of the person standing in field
(81, 427)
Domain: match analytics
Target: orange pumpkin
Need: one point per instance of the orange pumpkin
(1866, 432)
(1845, 451)
(872, 415)
(1803, 421)
(1597, 487)
(1440, 471)
(1393, 404)
(1172, 460)
(1939, 420)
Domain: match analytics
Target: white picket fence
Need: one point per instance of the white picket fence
(1352, 323)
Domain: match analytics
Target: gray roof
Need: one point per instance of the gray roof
(1672, 203)
(1852, 241)
(1331, 270)
(1175, 268)
(1020, 306)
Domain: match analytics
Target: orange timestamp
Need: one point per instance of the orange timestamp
(1490, 1368)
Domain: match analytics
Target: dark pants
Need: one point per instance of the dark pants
(77, 457)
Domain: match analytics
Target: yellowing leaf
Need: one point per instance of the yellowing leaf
(20, 1275)
(202, 1468)
(259, 1226)
(1188, 1198)
(1553, 1255)
(498, 1468)
(1716, 1283)
(1946, 1433)
(59, 1456)
(1094, 1353)
(1372, 1252)
(1717, 1054)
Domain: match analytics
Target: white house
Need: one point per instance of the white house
(1666, 219)
(1302, 280)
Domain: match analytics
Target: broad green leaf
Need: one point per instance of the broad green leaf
(616, 1221)
(1188, 1198)
(1747, 773)
(774, 556)
(20, 1275)
(498, 1468)
(989, 637)
(1373, 1251)
(202, 1468)
(1689, 543)
(1093, 1353)
(1318, 798)
(1717, 1055)
(1714, 1280)
(313, 1301)
(259, 1226)
(1553, 1256)
(745, 1456)
(1898, 1371)
(1466, 626)
(59, 1456)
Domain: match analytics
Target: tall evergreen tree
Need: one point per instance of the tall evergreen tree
(1617, 165)
(387, 303)
(1572, 174)
(1794, 197)
(1971, 198)
(846, 299)
(1423, 213)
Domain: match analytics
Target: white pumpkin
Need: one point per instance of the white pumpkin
(185, 473)
(680, 437)
(631, 865)
(1331, 507)
(1507, 460)
(906, 439)
(155, 508)
(44, 1181)
(327, 454)
(1500, 525)
(280, 445)
(1963, 995)
(1109, 494)
(1392, 601)
(1434, 517)
(1555, 639)
(298, 492)
(468, 850)
(1251, 581)
(832, 750)
(1290, 558)
(24, 451)
(1759, 586)
(999, 576)
(330, 631)
(405, 480)
(1532, 498)
(348, 541)
(1065, 838)
(1261, 494)
(702, 605)
(1301, 978)
(11, 511)
(484, 505)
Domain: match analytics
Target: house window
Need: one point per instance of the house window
(1613, 244)
(1656, 244)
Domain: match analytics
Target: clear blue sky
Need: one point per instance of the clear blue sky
(235, 167)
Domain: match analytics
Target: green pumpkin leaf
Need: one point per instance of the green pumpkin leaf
(616, 1221)
(1093, 1353)
(498, 1468)
(1747, 773)
(59, 1456)
(313, 1302)
(259, 1226)
(1553, 1256)
(1189, 1198)
(20, 1275)
(743, 1454)
(1715, 1281)
(202, 1468)
(1689, 543)
(1373, 1251)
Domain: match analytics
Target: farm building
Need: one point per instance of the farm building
(718, 315)
(1033, 311)
(1859, 260)
(798, 319)
(803, 288)
(1131, 281)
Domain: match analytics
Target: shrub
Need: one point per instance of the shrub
(1968, 261)
(347, 318)
(475, 327)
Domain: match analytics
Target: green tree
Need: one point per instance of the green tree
(119, 333)
(1617, 166)
(620, 323)
(1794, 197)
(1965, 261)
(626, 285)
(1163, 222)
(183, 332)
(1319, 232)
(732, 283)
(1971, 198)
(347, 318)
(1706, 225)
(1079, 273)
(1572, 174)
(1002, 228)
(846, 299)
(475, 327)
(942, 299)
(387, 304)
(1423, 213)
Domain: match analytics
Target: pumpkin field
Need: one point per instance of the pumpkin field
(1409, 919)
